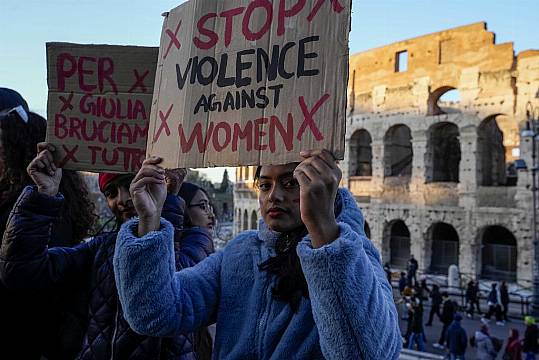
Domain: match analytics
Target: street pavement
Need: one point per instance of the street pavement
(432, 333)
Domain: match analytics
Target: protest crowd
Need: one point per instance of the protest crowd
(152, 286)
(413, 297)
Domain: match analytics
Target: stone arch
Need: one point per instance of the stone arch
(238, 224)
(397, 238)
(498, 253)
(438, 104)
(361, 153)
(245, 220)
(490, 153)
(367, 229)
(254, 220)
(398, 151)
(443, 155)
(445, 243)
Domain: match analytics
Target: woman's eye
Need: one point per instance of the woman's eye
(264, 187)
(110, 193)
(290, 184)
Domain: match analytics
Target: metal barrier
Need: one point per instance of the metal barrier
(418, 355)
(514, 298)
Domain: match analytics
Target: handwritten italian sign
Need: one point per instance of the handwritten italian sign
(99, 105)
(242, 82)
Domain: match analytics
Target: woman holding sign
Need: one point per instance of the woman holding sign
(307, 285)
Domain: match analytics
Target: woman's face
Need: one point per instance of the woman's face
(200, 211)
(279, 197)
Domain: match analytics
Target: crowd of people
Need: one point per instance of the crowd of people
(454, 339)
(302, 286)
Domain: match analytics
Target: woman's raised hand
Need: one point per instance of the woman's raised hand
(318, 176)
(148, 192)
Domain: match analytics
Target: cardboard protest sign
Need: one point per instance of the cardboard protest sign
(243, 82)
(99, 105)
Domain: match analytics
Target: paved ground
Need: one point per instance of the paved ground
(470, 325)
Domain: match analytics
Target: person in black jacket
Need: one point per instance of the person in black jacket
(416, 325)
(38, 322)
(530, 347)
(448, 313)
(457, 339)
(472, 298)
(26, 262)
(504, 298)
(436, 301)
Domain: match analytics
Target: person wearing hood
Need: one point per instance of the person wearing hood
(457, 339)
(308, 284)
(530, 346)
(484, 343)
(513, 348)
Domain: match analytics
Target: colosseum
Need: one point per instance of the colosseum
(433, 135)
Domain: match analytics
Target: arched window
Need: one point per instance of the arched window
(498, 254)
(245, 220)
(361, 154)
(398, 154)
(490, 153)
(443, 153)
(444, 100)
(254, 221)
(367, 229)
(399, 244)
(445, 247)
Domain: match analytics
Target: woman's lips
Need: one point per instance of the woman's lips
(276, 212)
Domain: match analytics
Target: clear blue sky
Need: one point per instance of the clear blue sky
(26, 25)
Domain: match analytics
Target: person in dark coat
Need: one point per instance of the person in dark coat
(436, 301)
(412, 270)
(27, 262)
(448, 313)
(387, 270)
(198, 217)
(38, 323)
(504, 298)
(457, 339)
(530, 347)
(416, 325)
(402, 282)
(472, 298)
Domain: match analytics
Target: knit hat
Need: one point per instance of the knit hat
(106, 178)
(188, 192)
(10, 99)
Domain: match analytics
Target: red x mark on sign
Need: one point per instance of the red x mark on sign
(139, 81)
(70, 155)
(164, 124)
(308, 118)
(173, 39)
(337, 7)
(66, 102)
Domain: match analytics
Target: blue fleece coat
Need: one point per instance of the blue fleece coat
(350, 313)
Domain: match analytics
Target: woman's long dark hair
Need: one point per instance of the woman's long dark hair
(291, 283)
(19, 141)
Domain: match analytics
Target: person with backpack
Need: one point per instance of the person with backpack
(484, 344)
(448, 312)
(416, 325)
(457, 339)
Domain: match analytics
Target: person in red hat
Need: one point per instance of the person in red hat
(27, 262)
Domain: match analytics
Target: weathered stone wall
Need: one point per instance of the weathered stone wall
(495, 87)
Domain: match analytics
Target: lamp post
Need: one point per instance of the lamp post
(532, 132)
